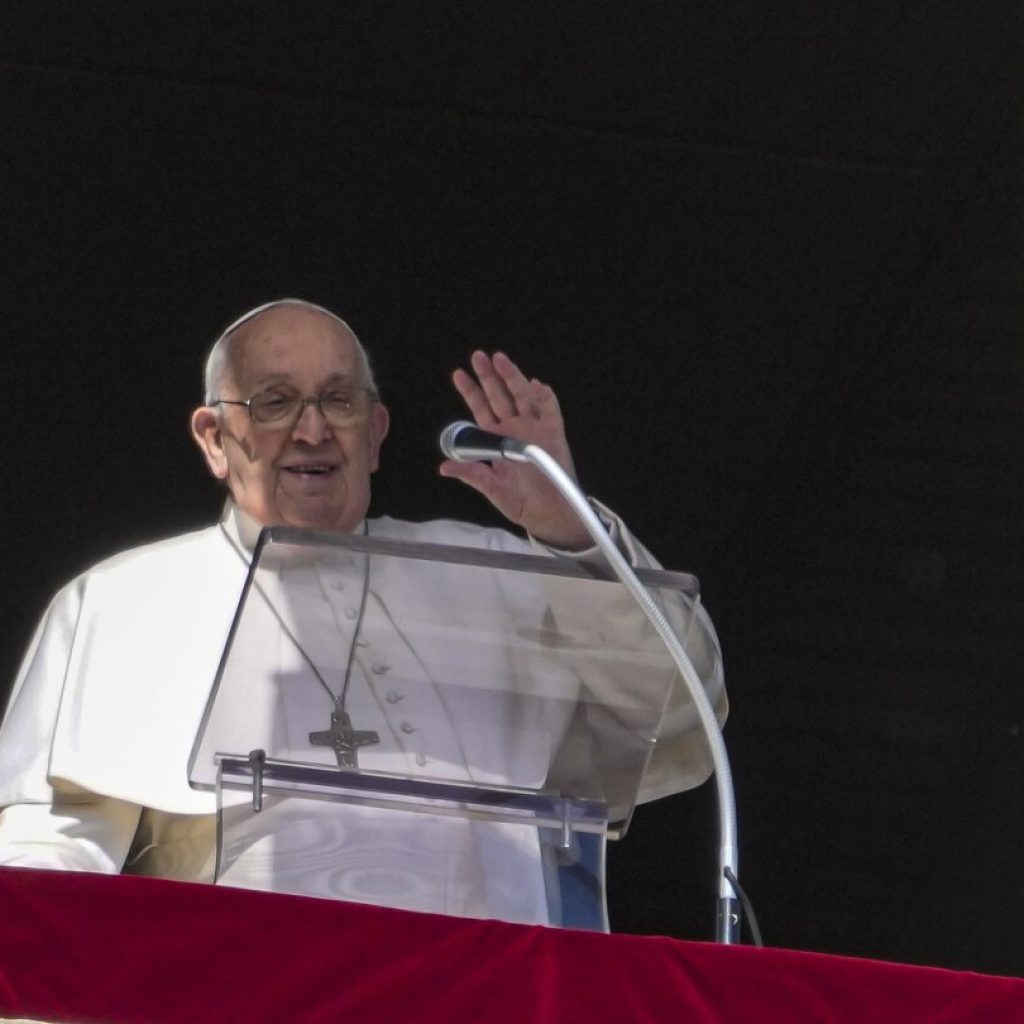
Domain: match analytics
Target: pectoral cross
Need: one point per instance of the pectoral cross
(345, 740)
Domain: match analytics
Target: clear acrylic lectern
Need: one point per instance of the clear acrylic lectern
(430, 727)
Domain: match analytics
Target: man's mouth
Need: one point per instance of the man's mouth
(311, 468)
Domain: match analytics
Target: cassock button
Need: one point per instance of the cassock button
(393, 696)
(380, 668)
(361, 641)
(351, 614)
(407, 727)
(421, 759)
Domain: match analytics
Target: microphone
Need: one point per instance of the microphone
(463, 441)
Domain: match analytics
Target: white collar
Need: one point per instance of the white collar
(244, 531)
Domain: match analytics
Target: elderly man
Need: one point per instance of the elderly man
(112, 690)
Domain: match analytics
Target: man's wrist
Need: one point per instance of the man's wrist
(586, 547)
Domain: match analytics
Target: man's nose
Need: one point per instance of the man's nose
(311, 425)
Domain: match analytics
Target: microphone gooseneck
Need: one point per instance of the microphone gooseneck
(464, 442)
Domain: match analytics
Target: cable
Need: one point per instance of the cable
(748, 907)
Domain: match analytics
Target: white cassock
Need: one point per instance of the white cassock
(97, 736)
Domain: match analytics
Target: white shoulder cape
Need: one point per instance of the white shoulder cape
(113, 687)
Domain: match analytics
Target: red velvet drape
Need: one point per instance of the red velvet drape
(84, 948)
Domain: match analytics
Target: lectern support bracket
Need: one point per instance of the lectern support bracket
(257, 762)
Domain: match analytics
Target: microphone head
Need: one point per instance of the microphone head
(449, 437)
(466, 442)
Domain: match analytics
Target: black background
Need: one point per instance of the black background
(769, 257)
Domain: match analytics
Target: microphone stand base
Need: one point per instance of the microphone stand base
(727, 921)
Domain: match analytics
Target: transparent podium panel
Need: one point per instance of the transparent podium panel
(433, 727)
(410, 860)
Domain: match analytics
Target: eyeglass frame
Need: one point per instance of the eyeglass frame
(316, 400)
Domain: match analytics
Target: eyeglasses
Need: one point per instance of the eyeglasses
(342, 407)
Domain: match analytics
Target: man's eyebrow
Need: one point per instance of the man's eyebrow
(272, 379)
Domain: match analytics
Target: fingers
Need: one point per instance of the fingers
(532, 398)
(502, 393)
(506, 385)
(491, 398)
(475, 474)
(502, 399)
(476, 400)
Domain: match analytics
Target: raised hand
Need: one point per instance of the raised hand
(500, 398)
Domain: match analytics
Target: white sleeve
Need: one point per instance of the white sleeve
(681, 758)
(84, 835)
(41, 827)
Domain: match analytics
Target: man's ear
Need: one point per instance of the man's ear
(207, 433)
(380, 420)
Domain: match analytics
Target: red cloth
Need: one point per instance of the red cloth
(76, 947)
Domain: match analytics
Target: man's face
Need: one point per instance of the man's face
(309, 473)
